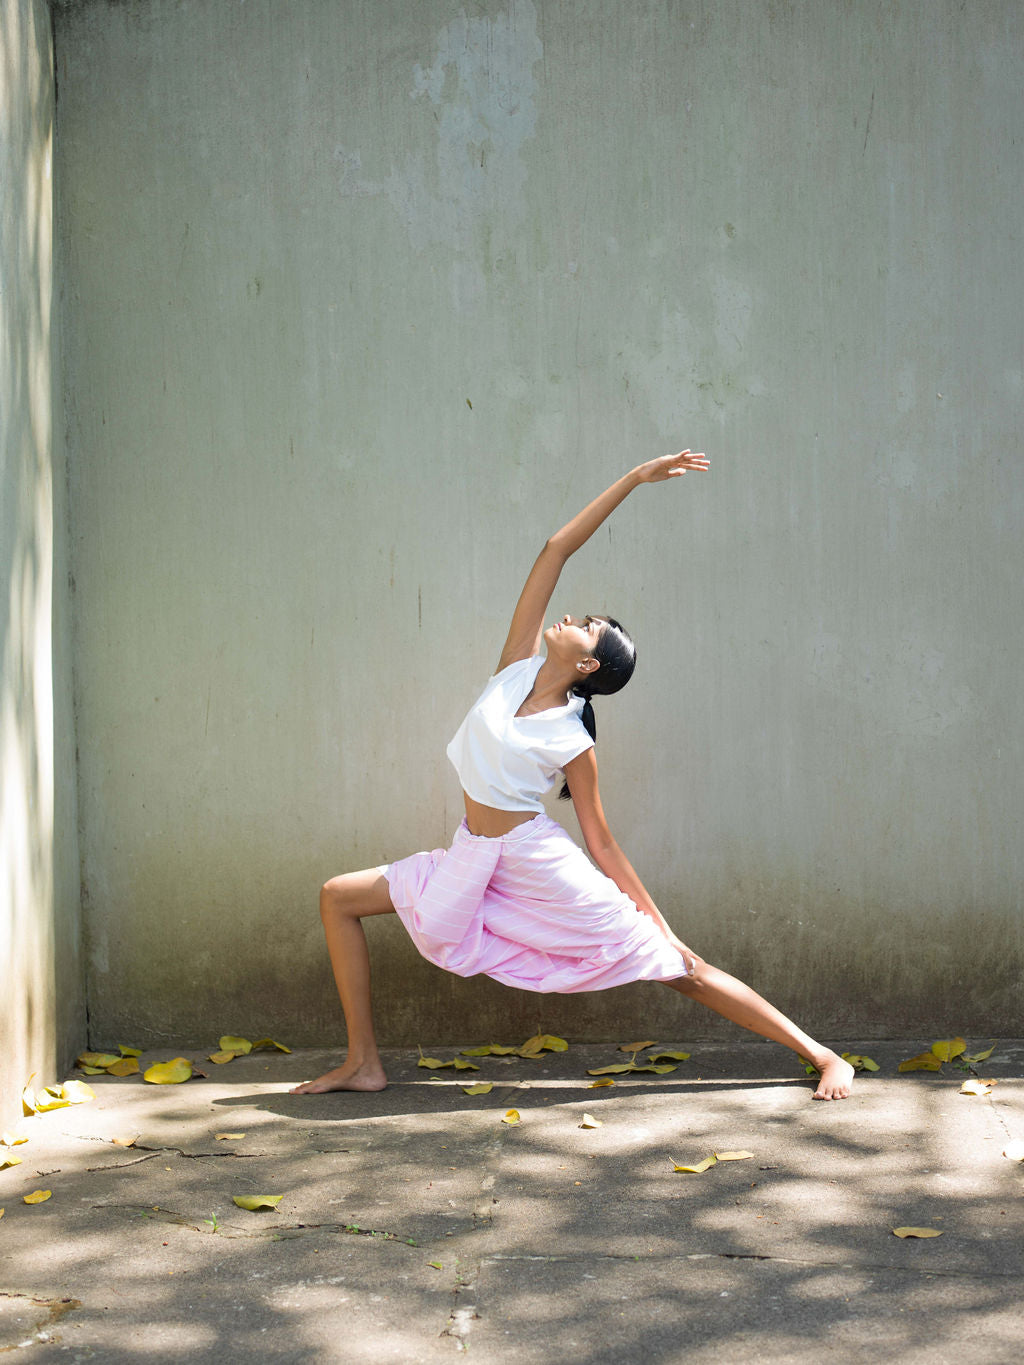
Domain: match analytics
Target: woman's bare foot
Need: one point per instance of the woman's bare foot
(348, 1076)
(835, 1077)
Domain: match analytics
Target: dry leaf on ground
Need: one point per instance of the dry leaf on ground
(924, 1061)
(168, 1073)
(8, 1159)
(229, 1043)
(77, 1092)
(511, 1117)
(700, 1167)
(269, 1043)
(50, 1097)
(597, 1085)
(734, 1156)
(976, 1086)
(221, 1057)
(973, 1058)
(228, 1137)
(480, 1088)
(254, 1202)
(636, 1047)
(540, 1043)
(917, 1232)
(37, 1197)
(489, 1050)
(590, 1122)
(948, 1048)
(859, 1062)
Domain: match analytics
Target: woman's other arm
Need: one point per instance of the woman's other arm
(524, 635)
(581, 774)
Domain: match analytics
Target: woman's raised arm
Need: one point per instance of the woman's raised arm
(524, 635)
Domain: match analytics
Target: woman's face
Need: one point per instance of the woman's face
(574, 637)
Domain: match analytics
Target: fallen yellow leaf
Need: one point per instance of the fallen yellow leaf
(252, 1202)
(228, 1137)
(859, 1062)
(100, 1059)
(590, 1122)
(918, 1232)
(168, 1073)
(50, 1097)
(700, 1168)
(36, 1197)
(924, 1061)
(976, 1057)
(511, 1117)
(123, 1141)
(77, 1092)
(269, 1042)
(12, 1139)
(433, 1063)
(480, 1088)
(605, 1080)
(8, 1159)
(542, 1042)
(948, 1048)
(92, 1070)
(636, 1047)
(667, 1056)
(129, 1051)
(127, 1066)
(734, 1156)
(221, 1057)
(976, 1086)
(435, 1265)
(2, 1212)
(460, 1065)
(28, 1098)
(489, 1050)
(620, 1068)
(231, 1044)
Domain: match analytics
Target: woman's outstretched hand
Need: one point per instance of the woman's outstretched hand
(671, 466)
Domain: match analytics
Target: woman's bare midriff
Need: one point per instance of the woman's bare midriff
(491, 823)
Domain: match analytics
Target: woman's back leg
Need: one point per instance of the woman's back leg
(344, 902)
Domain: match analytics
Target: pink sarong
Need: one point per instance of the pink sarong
(528, 909)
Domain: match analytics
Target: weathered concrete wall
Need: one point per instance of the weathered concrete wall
(365, 298)
(42, 1013)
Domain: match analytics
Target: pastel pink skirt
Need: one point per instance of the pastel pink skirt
(528, 909)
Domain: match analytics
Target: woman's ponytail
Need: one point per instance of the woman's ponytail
(589, 724)
(616, 653)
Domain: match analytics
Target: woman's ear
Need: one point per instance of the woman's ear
(589, 665)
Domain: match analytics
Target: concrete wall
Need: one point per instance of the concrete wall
(42, 1012)
(365, 298)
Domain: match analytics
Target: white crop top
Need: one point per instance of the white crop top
(509, 761)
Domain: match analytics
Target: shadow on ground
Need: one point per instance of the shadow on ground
(414, 1223)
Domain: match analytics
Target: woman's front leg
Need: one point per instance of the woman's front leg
(344, 902)
(735, 1001)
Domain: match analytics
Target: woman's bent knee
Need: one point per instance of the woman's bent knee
(355, 894)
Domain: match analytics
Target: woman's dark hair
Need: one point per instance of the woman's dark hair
(616, 653)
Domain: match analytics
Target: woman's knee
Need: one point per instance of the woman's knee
(354, 895)
(337, 898)
(693, 982)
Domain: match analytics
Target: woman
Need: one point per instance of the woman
(514, 897)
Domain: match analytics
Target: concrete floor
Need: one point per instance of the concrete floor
(415, 1225)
